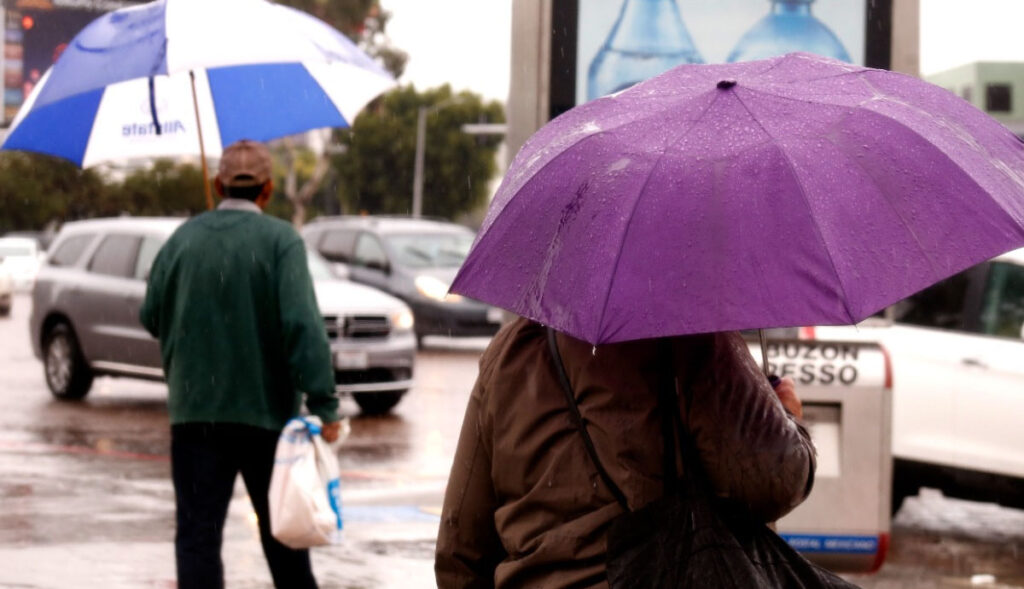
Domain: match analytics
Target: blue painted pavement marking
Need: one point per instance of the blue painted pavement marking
(387, 514)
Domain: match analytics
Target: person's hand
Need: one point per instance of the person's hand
(330, 431)
(786, 390)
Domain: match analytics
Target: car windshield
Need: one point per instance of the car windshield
(15, 251)
(430, 250)
(318, 268)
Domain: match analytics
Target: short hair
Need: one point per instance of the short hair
(246, 192)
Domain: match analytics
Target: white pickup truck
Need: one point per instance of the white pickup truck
(957, 361)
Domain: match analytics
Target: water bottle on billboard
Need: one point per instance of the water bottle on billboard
(789, 26)
(647, 38)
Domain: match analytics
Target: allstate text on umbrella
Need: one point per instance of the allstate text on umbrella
(139, 129)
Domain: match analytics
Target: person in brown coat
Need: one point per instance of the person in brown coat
(525, 507)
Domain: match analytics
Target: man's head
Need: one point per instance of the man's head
(245, 172)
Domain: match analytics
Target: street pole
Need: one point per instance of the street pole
(417, 177)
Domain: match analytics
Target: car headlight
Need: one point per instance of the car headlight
(434, 288)
(402, 320)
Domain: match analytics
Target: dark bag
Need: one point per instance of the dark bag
(689, 537)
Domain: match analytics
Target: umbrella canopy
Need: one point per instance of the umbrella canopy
(798, 190)
(123, 87)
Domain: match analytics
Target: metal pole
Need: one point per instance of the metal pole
(764, 353)
(202, 149)
(417, 178)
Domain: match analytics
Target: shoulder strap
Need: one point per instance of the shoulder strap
(578, 421)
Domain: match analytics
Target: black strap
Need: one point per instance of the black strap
(580, 424)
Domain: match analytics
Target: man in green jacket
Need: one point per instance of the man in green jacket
(232, 303)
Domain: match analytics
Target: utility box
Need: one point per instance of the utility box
(846, 390)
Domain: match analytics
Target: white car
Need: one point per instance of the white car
(371, 335)
(957, 353)
(21, 259)
(6, 292)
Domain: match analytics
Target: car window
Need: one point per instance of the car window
(941, 305)
(1003, 310)
(369, 252)
(116, 256)
(430, 250)
(337, 245)
(70, 250)
(318, 268)
(147, 253)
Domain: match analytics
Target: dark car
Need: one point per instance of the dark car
(412, 259)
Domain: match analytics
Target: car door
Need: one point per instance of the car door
(109, 329)
(142, 349)
(928, 351)
(370, 262)
(989, 396)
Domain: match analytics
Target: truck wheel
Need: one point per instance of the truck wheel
(67, 374)
(377, 403)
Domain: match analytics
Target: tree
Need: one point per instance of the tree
(36, 190)
(375, 174)
(165, 188)
(364, 22)
(298, 175)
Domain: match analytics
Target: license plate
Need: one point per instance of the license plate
(494, 315)
(350, 360)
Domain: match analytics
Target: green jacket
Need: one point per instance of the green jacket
(232, 303)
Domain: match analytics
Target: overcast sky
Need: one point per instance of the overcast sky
(467, 42)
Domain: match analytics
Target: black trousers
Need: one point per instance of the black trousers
(205, 459)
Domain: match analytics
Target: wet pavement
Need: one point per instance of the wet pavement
(86, 499)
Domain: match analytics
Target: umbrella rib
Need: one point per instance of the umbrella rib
(924, 113)
(562, 151)
(807, 202)
(930, 116)
(636, 203)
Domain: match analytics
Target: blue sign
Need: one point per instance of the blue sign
(833, 544)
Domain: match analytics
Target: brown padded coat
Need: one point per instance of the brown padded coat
(525, 506)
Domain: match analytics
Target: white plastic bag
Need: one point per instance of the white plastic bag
(305, 490)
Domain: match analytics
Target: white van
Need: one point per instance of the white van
(957, 354)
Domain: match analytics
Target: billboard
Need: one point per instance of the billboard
(35, 33)
(602, 46)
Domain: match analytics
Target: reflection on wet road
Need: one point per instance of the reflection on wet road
(87, 500)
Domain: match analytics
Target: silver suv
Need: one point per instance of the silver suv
(85, 309)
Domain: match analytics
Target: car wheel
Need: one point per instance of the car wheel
(67, 374)
(377, 403)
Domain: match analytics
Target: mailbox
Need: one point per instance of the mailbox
(846, 390)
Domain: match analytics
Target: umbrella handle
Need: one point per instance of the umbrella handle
(202, 149)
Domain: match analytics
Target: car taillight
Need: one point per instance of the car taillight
(806, 332)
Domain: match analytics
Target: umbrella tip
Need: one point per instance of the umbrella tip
(726, 84)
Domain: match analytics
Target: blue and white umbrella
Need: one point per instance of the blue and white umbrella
(147, 80)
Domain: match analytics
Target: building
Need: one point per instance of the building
(995, 87)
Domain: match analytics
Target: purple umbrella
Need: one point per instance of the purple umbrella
(791, 191)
